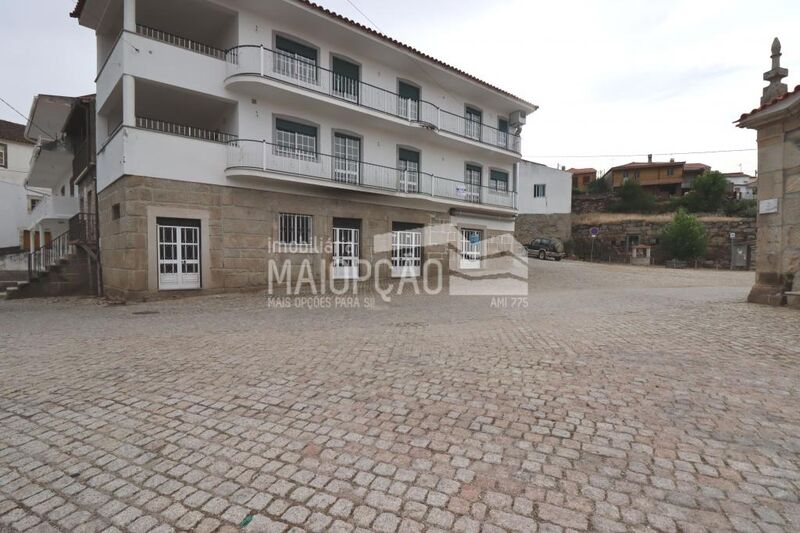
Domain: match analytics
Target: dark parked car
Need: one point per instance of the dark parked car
(546, 247)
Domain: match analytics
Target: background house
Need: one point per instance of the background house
(16, 200)
(545, 202)
(743, 186)
(658, 177)
(582, 177)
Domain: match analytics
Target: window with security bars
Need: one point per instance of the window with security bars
(347, 157)
(295, 140)
(498, 180)
(408, 164)
(295, 60)
(472, 178)
(3, 156)
(474, 118)
(539, 190)
(295, 229)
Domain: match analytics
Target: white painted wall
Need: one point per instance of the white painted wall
(558, 189)
(13, 196)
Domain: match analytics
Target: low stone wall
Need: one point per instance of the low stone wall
(612, 243)
(529, 227)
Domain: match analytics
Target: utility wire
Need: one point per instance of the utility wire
(14, 109)
(697, 152)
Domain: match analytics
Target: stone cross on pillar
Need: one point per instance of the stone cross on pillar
(774, 76)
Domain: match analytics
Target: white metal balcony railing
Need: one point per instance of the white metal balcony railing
(53, 207)
(301, 72)
(183, 130)
(182, 42)
(268, 157)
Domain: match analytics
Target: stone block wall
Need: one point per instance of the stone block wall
(610, 244)
(241, 228)
(529, 227)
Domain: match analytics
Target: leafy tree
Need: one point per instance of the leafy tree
(708, 193)
(685, 237)
(600, 185)
(633, 199)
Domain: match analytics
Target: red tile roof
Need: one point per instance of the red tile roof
(582, 170)
(76, 13)
(696, 166)
(11, 131)
(654, 164)
(772, 102)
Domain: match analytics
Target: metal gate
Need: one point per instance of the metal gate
(470, 248)
(406, 253)
(345, 253)
(178, 257)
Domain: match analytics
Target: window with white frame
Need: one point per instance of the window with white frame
(539, 190)
(498, 180)
(295, 229)
(3, 156)
(295, 140)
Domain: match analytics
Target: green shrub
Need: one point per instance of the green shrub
(598, 186)
(632, 198)
(708, 193)
(741, 208)
(685, 237)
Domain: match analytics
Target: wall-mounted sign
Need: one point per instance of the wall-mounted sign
(594, 231)
(461, 192)
(766, 207)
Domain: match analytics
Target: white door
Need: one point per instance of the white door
(346, 158)
(345, 253)
(406, 253)
(470, 249)
(178, 257)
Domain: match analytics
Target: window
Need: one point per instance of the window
(345, 79)
(295, 60)
(346, 158)
(473, 117)
(472, 178)
(625, 174)
(502, 133)
(498, 180)
(670, 171)
(115, 212)
(408, 164)
(3, 156)
(408, 101)
(33, 202)
(406, 249)
(295, 140)
(539, 190)
(295, 229)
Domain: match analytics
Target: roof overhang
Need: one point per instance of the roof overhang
(47, 117)
(773, 111)
(51, 162)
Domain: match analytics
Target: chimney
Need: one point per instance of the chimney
(671, 159)
(649, 158)
(775, 89)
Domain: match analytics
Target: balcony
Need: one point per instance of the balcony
(182, 42)
(53, 208)
(253, 60)
(183, 130)
(266, 157)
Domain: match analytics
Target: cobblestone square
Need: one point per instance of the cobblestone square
(619, 399)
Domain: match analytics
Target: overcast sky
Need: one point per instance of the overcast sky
(613, 77)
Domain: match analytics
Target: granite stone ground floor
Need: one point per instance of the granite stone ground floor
(618, 399)
(160, 235)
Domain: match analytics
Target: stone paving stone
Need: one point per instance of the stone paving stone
(620, 399)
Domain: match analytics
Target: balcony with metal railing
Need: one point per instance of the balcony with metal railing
(262, 156)
(256, 60)
(184, 130)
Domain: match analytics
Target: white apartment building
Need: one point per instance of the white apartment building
(225, 127)
(16, 201)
